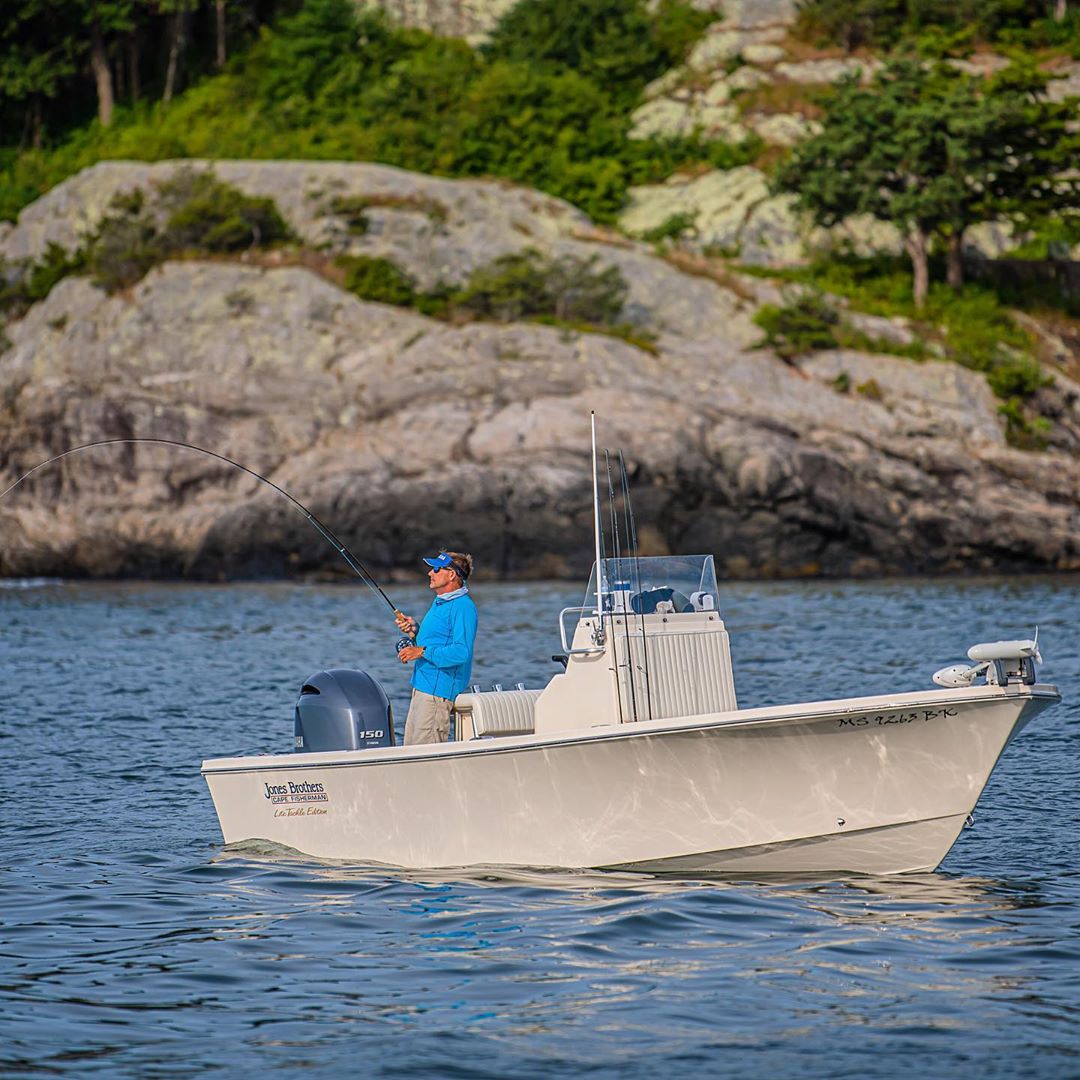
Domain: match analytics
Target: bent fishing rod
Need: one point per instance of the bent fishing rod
(354, 563)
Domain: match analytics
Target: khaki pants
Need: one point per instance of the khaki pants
(428, 720)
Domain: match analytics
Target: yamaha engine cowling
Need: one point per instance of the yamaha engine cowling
(343, 710)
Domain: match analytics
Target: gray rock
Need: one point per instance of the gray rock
(470, 19)
(402, 432)
(984, 64)
(937, 400)
(747, 78)
(1065, 83)
(753, 14)
(783, 129)
(762, 53)
(732, 210)
(829, 70)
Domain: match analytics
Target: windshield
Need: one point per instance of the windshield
(671, 584)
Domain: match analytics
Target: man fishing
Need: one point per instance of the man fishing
(443, 652)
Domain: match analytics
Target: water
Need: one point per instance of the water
(132, 945)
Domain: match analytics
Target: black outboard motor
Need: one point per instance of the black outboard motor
(342, 710)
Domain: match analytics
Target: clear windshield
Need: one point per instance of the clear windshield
(671, 584)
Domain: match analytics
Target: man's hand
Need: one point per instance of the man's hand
(406, 624)
(410, 652)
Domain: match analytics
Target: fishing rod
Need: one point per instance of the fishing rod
(354, 563)
(626, 620)
(631, 534)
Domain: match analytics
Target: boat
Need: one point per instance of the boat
(636, 756)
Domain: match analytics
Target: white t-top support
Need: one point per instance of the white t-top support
(596, 535)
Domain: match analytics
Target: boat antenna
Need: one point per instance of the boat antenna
(596, 533)
(618, 581)
(355, 564)
(631, 533)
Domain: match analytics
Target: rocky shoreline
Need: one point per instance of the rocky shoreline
(404, 432)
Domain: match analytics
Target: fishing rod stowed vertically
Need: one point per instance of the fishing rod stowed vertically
(635, 554)
(598, 538)
(353, 562)
(626, 617)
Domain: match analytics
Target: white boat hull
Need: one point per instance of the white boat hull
(876, 785)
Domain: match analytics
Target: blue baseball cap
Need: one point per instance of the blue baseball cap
(441, 562)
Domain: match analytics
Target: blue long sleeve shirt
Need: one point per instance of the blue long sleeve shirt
(447, 633)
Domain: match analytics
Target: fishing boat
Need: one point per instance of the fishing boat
(636, 755)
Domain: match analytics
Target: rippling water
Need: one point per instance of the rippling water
(132, 944)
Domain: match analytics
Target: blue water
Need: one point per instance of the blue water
(133, 945)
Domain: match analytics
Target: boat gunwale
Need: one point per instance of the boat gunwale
(761, 716)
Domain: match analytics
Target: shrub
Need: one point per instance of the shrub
(205, 214)
(615, 43)
(525, 285)
(126, 243)
(191, 211)
(884, 23)
(1016, 377)
(670, 229)
(55, 264)
(803, 325)
(377, 279)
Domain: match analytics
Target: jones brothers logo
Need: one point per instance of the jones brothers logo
(296, 799)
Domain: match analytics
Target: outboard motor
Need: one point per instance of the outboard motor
(343, 710)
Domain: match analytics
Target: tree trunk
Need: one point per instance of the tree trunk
(955, 271)
(177, 45)
(31, 134)
(917, 246)
(219, 23)
(99, 62)
(1061, 9)
(133, 65)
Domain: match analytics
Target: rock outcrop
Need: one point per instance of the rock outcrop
(403, 432)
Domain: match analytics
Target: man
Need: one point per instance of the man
(443, 651)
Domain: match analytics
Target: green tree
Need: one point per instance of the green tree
(933, 151)
(38, 53)
(613, 43)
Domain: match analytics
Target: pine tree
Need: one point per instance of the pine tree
(934, 151)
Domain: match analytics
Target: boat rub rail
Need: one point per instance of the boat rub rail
(848, 714)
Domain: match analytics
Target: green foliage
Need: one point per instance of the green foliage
(377, 279)
(972, 327)
(25, 283)
(205, 214)
(676, 28)
(670, 229)
(933, 151)
(803, 325)
(1050, 239)
(327, 82)
(567, 292)
(870, 389)
(939, 25)
(352, 209)
(55, 264)
(525, 285)
(126, 243)
(611, 43)
(191, 211)
(1016, 377)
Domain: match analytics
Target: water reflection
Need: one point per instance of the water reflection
(133, 945)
